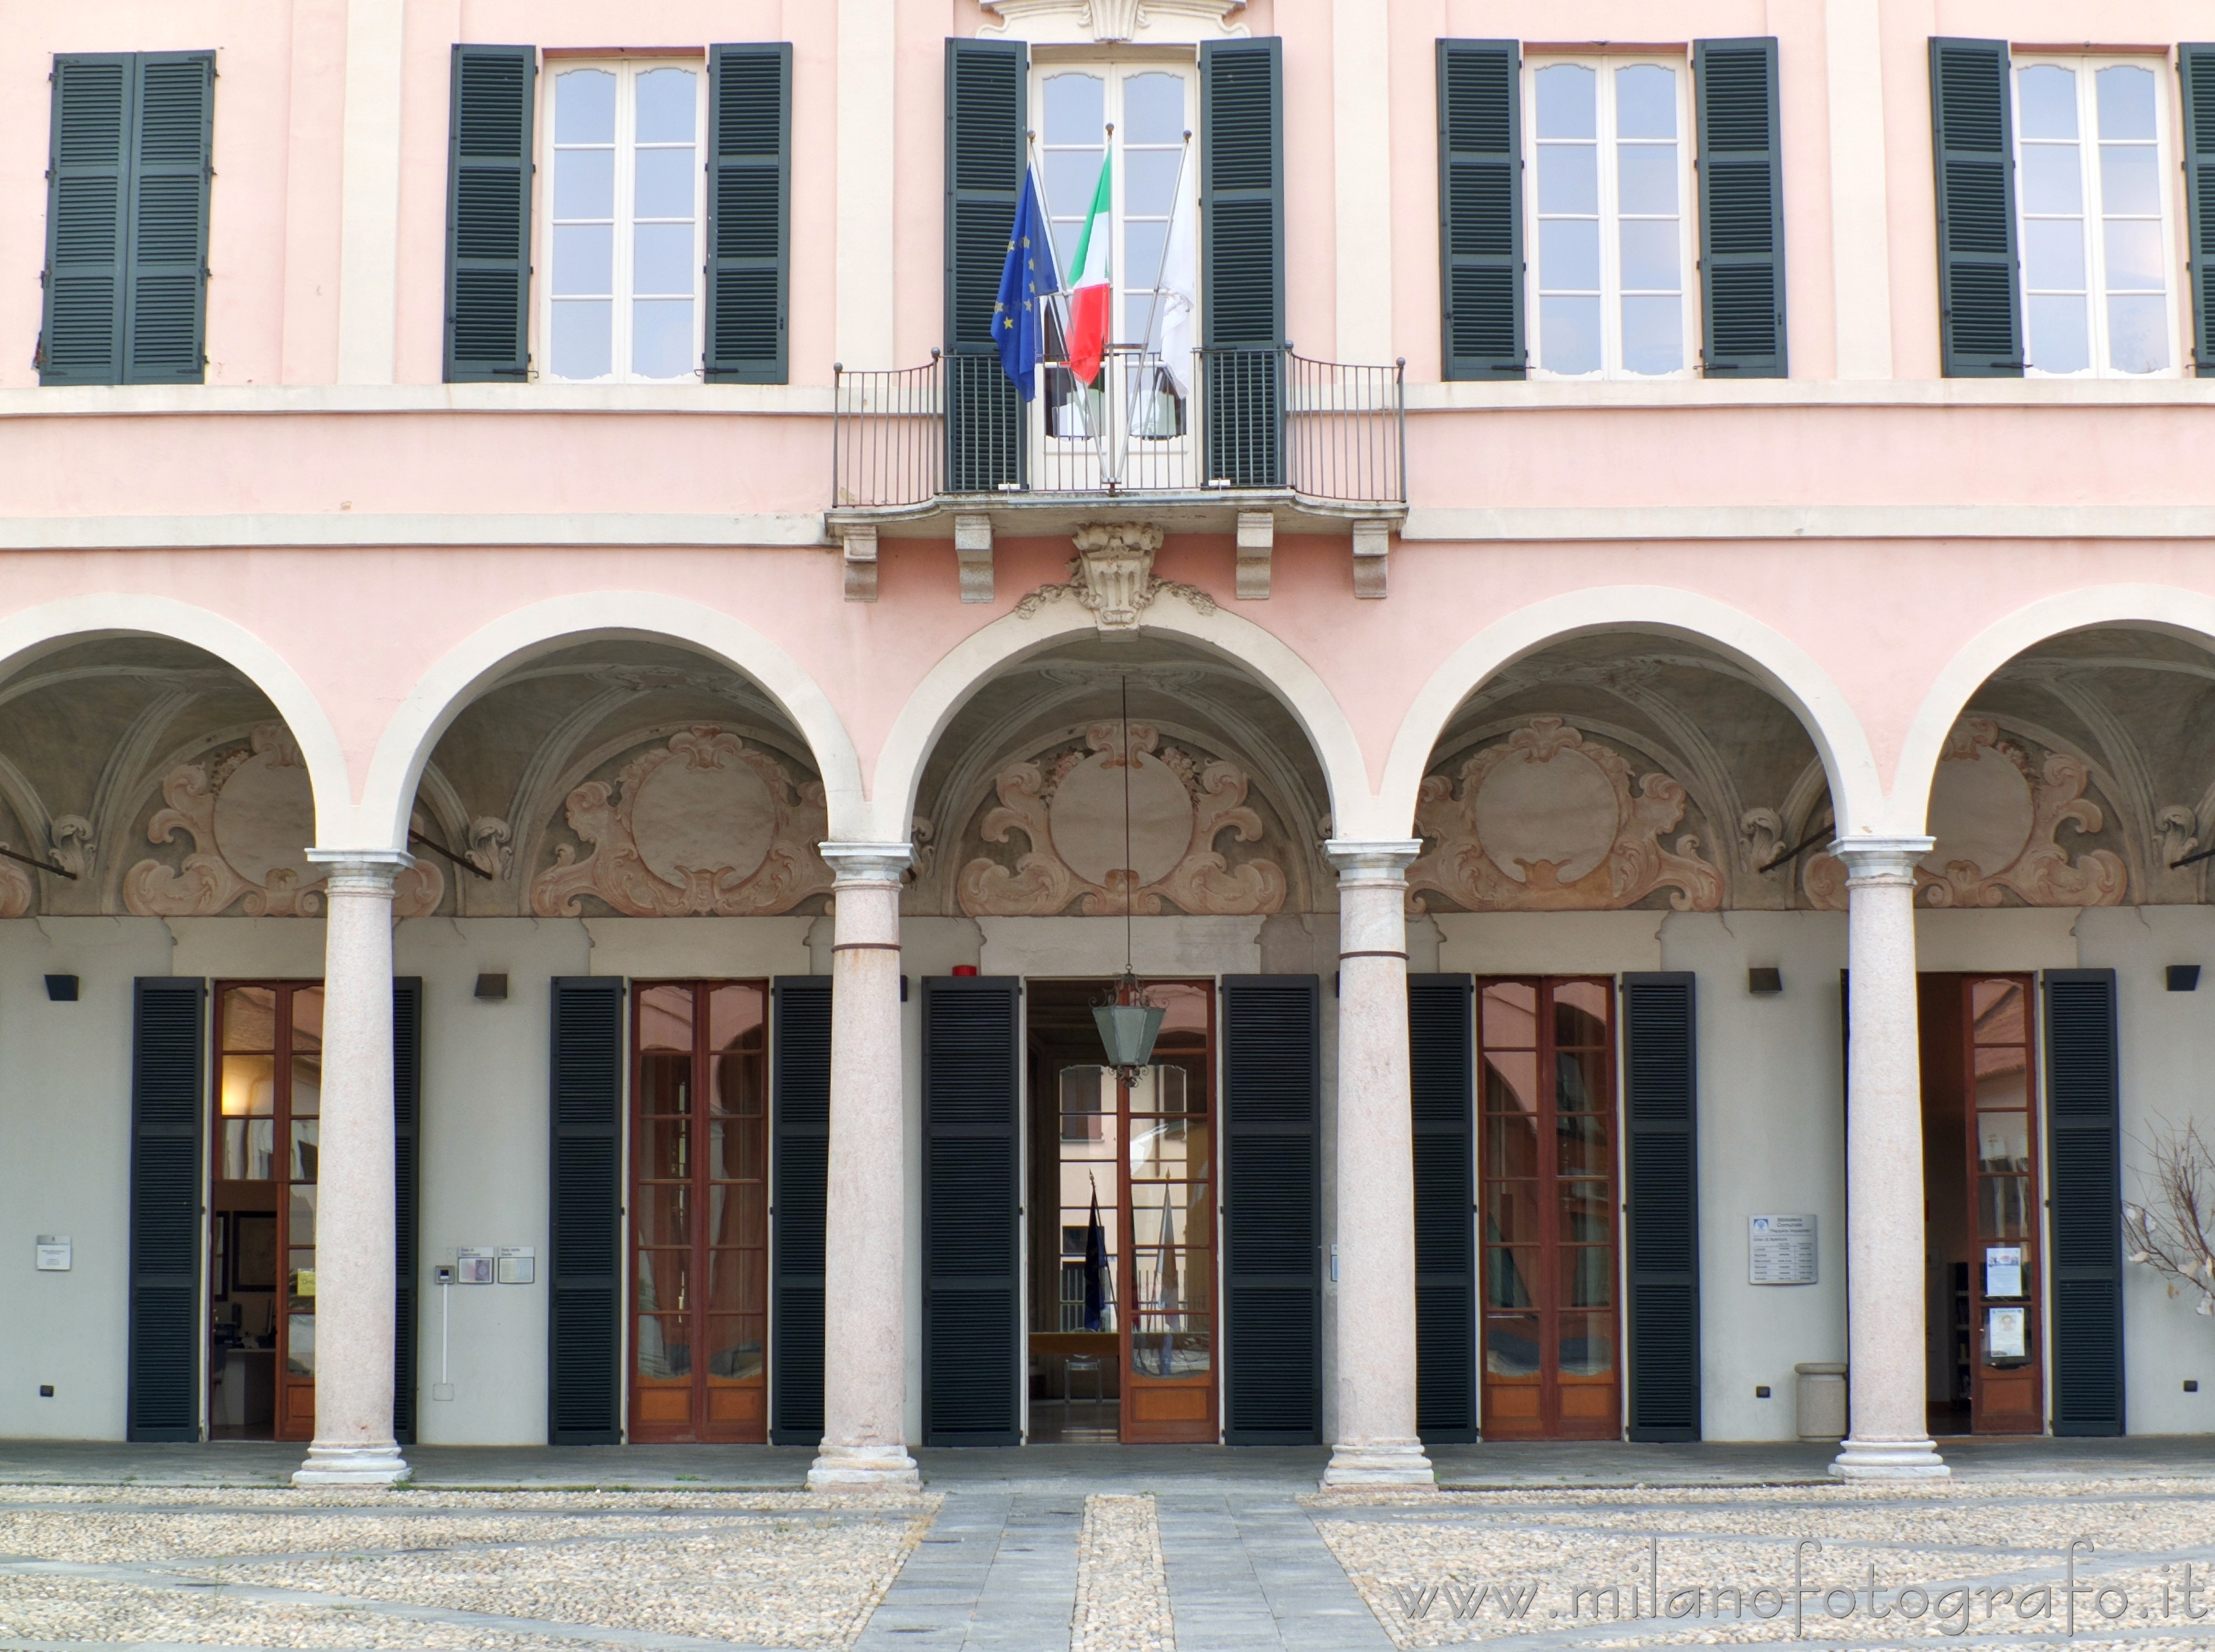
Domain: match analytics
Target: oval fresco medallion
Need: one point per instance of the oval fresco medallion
(1086, 817)
(265, 817)
(689, 816)
(1559, 808)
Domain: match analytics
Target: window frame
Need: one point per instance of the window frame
(2086, 66)
(1603, 64)
(626, 69)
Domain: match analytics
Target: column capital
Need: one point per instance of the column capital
(360, 872)
(1383, 860)
(853, 864)
(1879, 861)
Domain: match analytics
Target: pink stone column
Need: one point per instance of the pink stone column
(354, 1233)
(1375, 1443)
(1890, 1437)
(865, 1250)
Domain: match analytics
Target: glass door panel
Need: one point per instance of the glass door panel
(1169, 1200)
(2005, 1294)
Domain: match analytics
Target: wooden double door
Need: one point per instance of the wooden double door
(699, 1211)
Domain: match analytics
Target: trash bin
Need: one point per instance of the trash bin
(1820, 1401)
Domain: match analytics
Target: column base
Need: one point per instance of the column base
(864, 1468)
(1379, 1464)
(1889, 1460)
(352, 1465)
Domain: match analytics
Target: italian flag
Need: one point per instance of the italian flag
(1090, 289)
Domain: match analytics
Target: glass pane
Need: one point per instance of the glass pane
(249, 1018)
(300, 1277)
(665, 1084)
(735, 1347)
(1141, 259)
(1995, 1012)
(250, 1086)
(300, 1344)
(1161, 1090)
(1511, 1278)
(665, 1279)
(1075, 108)
(1653, 335)
(584, 259)
(2002, 1141)
(1511, 1081)
(1588, 1344)
(1166, 1213)
(2130, 179)
(583, 184)
(1173, 1279)
(249, 1148)
(303, 1165)
(1510, 1013)
(1510, 1212)
(734, 1018)
(1568, 334)
(663, 1213)
(1568, 254)
(1581, 1145)
(1646, 177)
(1160, 1347)
(666, 102)
(1153, 108)
(1070, 176)
(665, 184)
(307, 1021)
(1588, 1276)
(1511, 1147)
(1584, 1211)
(2053, 255)
(1184, 1014)
(1568, 178)
(1568, 101)
(2126, 95)
(2003, 1206)
(736, 1213)
(1510, 1346)
(2060, 333)
(661, 258)
(1150, 182)
(1649, 253)
(2053, 182)
(2002, 1078)
(1581, 1014)
(2048, 95)
(2137, 333)
(1580, 1081)
(663, 1147)
(1645, 101)
(664, 1346)
(661, 337)
(584, 106)
(300, 1232)
(582, 333)
(307, 1084)
(735, 1149)
(1169, 1149)
(738, 1090)
(738, 1281)
(2134, 254)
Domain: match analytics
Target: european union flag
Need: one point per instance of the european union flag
(1026, 281)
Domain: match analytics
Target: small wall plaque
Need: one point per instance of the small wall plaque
(1780, 1249)
(518, 1264)
(473, 1265)
(53, 1253)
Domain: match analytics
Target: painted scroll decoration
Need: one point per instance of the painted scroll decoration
(1996, 813)
(1069, 812)
(702, 826)
(17, 894)
(1548, 821)
(250, 813)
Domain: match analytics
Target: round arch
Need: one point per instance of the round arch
(2188, 614)
(974, 660)
(34, 632)
(1786, 670)
(478, 660)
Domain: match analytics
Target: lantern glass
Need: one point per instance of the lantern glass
(1128, 1032)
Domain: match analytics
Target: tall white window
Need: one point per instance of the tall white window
(2091, 187)
(622, 289)
(1613, 230)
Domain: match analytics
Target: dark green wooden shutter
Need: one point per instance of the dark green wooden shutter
(1742, 208)
(1973, 139)
(164, 323)
(167, 1060)
(488, 214)
(1272, 1211)
(985, 101)
(972, 1342)
(1661, 1068)
(407, 1193)
(800, 1116)
(584, 1365)
(1442, 1071)
(2083, 1113)
(2195, 66)
(1241, 206)
(1480, 208)
(749, 211)
(87, 223)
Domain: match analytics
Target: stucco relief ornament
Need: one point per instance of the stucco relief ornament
(17, 893)
(1071, 813)
(1112, 577)
(1996, 820)
(1106, 21)
(703, 826)
(251, 816)
(1548, 821)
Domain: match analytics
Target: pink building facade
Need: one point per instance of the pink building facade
(1622, 642)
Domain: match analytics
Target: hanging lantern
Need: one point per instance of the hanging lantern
(1128, 1030)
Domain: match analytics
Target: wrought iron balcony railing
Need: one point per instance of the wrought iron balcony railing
(1223, 421)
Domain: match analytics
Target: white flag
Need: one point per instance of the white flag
(1176, 303)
